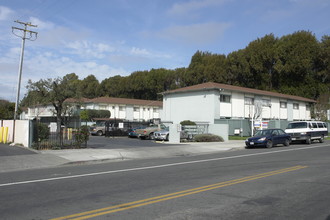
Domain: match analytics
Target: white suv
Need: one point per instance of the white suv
(307, 131)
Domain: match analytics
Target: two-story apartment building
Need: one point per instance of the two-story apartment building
(120, 108)
(210, 102)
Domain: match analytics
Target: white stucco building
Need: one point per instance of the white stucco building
(208, 102)
(120, 108)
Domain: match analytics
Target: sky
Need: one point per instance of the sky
(117, 37)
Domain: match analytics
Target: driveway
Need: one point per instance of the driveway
(101, 142)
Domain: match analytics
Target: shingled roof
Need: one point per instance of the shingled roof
(211, 86)
(124, 101)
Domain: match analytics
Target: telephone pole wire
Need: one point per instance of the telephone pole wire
(29, 35)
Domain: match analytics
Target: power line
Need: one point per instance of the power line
(25, 35)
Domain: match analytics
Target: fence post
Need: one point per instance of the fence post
(1, 134)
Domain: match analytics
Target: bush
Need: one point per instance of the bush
(208, 138)
(187, 122)
(82, 136)
(43, 131)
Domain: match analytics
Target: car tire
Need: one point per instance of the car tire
(99, 133)
(321, 139)
(287, 142)
(269, 144)
(308, 140)
(166, 139)
(151, 136)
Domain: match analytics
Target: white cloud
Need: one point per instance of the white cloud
(5, 13)
(189, 6)
(87, 49)
(138, 51)
(201, 34)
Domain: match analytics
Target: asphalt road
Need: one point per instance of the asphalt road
(279, 183)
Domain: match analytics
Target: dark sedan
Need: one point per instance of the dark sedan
(268, 138)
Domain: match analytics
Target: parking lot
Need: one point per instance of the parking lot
(101, 142)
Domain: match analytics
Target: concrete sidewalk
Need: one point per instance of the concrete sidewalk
(51, 158)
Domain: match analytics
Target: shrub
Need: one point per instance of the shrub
(82, 136)
(43, 131)
(208, 138)
(187, 122)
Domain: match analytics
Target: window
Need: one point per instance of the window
(283, 104)
(295, 106)
(308, 107)
(225, 98)
(121, 108)
(136, 109)
(320, 125)
(248, 101)
(155, 109)
(314, 125)
(103, 107)
(266, 103)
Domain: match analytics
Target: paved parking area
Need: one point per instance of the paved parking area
(101, 142)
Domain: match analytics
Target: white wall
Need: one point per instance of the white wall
(21, 131)
(194, 106)
(237, 109)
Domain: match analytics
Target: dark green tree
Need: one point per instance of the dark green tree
(7, 109)
(89, 87)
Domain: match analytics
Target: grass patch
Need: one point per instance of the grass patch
(236, 137)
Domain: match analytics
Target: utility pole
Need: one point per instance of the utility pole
(29, 35)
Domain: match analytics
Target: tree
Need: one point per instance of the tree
(6, 109)
(55, 92)
(89, 87)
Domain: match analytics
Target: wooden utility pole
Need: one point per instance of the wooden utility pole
(25, 34)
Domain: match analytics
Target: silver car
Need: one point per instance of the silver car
(162, 135)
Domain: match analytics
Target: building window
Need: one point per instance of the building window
(266, 103)
(225, 98)
(136, 109)
(103, 107)
(283, 104)
(121, 108)
(248, 101)
(295, 106)
(156, 110)
(308, 107)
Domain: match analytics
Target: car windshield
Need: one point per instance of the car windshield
(263, 132)
(297, 125)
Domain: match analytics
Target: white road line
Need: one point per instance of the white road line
(154, 167)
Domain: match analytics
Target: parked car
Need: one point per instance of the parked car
(307, 131)
(148, 132)
(132, 132)
(162, 135)
(268, 138)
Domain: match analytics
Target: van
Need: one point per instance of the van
(307, 131)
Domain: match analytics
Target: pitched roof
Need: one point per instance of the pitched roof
(111, 100)
(211, 86)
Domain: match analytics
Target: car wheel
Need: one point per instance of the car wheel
(99, 133)
(287, 142)
(269, 144)
(321, 139)
(166, 139)
(151, 136)
(308, 140)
